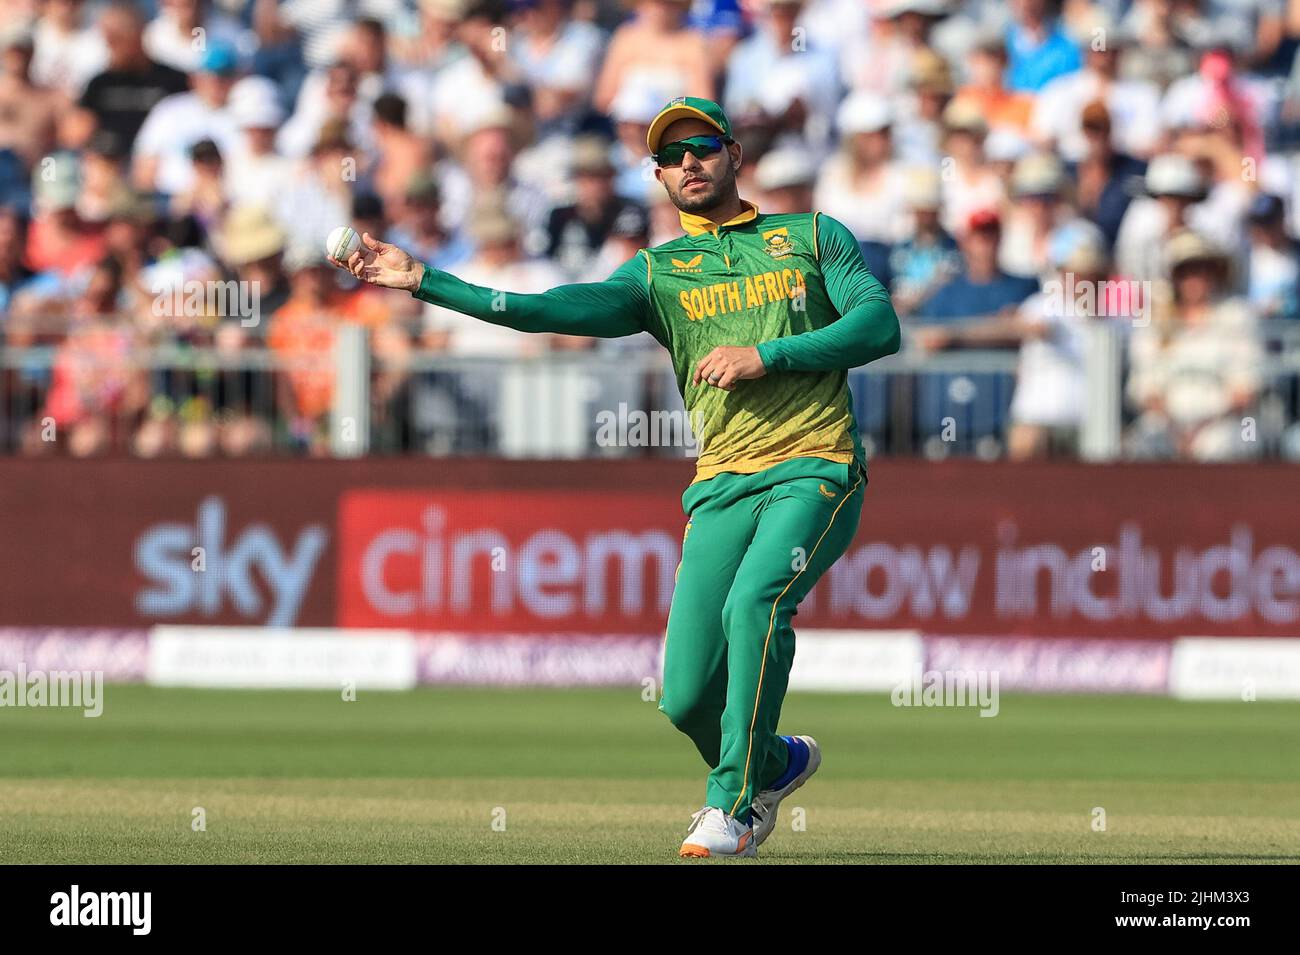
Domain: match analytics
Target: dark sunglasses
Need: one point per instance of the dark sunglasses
(672, 154)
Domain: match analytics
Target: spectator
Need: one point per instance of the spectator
(576, 232)
(251, 244)
(486, 167)
(787, 89)
(129, 234)
(338, 106)
(256, 174)
(425, 56)
(278, 53)
(862, 185)
(131, 85)
(163, 147)
(1196, 368)
(302, 334)
(721, 22)
(419, 227)
(60, 241)
(474, 87)
(319, 26)
(784, 179)
(1174, 185)
(169, 38)
(559, 57)
(1039, 50)
(980, 289)
(929, 257)
(1162, 34)
(918, 130)
(320, 195)
(104, 176)
(400, 154)
(1051, 393)
(348, 87)
(1214, 97)
(499, 262)
(205, 199)
(877, 59)
(95, 390)
(1104, 179)
(975, 308)
(987, 92)
(66, 53)
(969, 185)
(665, 223)
(628, 235)
(657, 51)
(14, 274)
(1272, 273)
(1038, 208)
(29, 110)
(632, 112)
(1132, 106)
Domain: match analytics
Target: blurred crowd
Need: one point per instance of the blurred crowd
(1016, 172)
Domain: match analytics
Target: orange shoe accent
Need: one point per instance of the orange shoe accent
(694, 852)
(743, 841)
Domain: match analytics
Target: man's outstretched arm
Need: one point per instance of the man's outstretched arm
(610, 309)
(867, 328)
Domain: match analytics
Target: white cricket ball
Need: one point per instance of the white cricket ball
(342, 242)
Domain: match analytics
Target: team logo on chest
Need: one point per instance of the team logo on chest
(777, 243)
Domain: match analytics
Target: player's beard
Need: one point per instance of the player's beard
(700, 203)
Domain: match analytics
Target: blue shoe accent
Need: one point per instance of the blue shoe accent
(799, 754)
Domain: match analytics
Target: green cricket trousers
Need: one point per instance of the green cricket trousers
(755, 544)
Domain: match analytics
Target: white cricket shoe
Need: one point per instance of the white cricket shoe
(714, 833)
(767, 802)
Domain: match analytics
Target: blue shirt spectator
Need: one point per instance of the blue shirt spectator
(711, 16)
(965, 297)
(1035, 61)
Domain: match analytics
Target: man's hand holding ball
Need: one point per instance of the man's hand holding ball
(373, 261)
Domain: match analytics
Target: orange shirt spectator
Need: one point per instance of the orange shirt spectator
(303, 332)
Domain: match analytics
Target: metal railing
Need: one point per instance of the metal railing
(612, 401)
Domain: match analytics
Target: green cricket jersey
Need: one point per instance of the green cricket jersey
(795, 286)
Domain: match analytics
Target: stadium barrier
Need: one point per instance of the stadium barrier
(349, 400)
(898, 663)
(392, 573)
(485, 546)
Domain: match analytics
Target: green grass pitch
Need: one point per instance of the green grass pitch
(468, 775)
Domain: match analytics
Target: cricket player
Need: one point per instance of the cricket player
(763, 315)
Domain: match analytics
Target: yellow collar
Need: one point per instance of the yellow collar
(697, 225)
